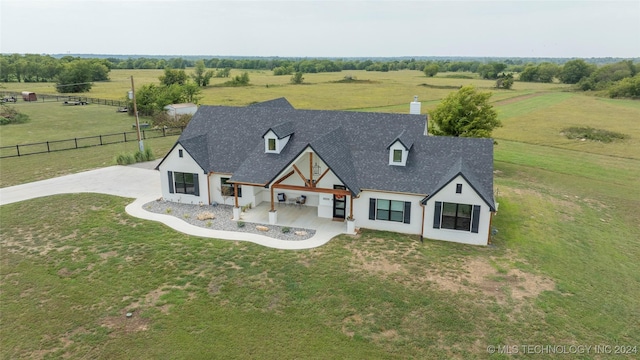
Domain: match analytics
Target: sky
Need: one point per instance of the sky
(313, 28)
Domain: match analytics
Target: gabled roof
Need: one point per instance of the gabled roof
(353, 144)
(281, 130)
(280, 103)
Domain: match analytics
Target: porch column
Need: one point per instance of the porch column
(272, 208)
(235, 193)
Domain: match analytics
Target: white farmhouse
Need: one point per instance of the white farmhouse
(371, 170)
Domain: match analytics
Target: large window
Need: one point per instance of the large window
(456, 216)
(184, 183)
(390, 210)
(227, 188)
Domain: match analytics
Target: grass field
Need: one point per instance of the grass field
(563, 269)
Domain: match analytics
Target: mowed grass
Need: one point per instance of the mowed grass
(563, 270)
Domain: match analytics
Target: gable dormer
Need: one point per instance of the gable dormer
(277, 137)
(399, 150)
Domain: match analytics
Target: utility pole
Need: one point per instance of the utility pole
(135, 111)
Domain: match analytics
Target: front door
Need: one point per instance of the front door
(339, 203)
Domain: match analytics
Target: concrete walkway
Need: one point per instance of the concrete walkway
(142, 183)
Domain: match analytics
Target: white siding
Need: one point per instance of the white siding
(173, 162)
(469, 197)
(250, 194)
(361, 212)
(280, 143)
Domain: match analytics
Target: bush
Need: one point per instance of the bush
(286, 230)
(240, 224)
(590, 133)
(138, 156)
(9, 115)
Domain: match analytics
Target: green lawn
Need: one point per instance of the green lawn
(563, 268)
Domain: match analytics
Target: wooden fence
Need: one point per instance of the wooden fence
(83, 142)
(68, 98)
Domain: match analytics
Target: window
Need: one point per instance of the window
(456, 216)
(184, 183)
(227, 188)
(458, 188)
(397, 155)
(272, 144)
(180, 153)
(390, 210)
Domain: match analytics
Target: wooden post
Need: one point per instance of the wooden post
(311, 170)
(351, 207)
(272, 208)
(235, 193)
(135, 112)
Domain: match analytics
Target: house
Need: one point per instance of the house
(371, 170)
(181, 109)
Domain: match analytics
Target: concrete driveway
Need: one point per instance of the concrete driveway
(142, 183)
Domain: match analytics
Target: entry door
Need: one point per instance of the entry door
(339, 203)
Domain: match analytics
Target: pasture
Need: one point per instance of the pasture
(563, 268)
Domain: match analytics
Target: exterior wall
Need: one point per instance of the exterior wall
(468, 196)
(250, 194)
(398, 146)
(361, 212)
(184, 164)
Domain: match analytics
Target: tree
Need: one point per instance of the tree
(75, 77)
(465, 113)
(431, 70)
(573, 71)
(200, 75)
(172, 76)
(297, 78)
(505, 81)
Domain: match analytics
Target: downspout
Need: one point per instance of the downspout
(209, 187)
(422, 225)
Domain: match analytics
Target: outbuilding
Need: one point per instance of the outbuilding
(181, 109)
(29, 96)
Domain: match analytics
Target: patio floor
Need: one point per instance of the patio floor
(294, 216)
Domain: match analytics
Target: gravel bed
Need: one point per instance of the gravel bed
(223, 215)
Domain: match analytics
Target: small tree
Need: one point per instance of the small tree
(431, 70)
(505, 81)
(465, 113)
(297, 78)
(172, 76)
(201, 76)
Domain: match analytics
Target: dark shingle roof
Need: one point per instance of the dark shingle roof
(353, 144)
(279, 103)
(405, 139)
(281, 130)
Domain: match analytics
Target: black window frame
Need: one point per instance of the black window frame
(271, 141)
(225, 184)
(458, 188)
(461, 222)
(389, 214)
(180, 153)
(185, 183)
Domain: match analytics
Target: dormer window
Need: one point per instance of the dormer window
(277, 137)
(399, 149)
(397, 156)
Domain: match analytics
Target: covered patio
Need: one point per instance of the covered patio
(293, 216)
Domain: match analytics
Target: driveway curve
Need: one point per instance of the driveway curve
(142, 183)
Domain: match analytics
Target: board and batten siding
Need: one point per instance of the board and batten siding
(468, 196)
(362, 205)
(185, 164)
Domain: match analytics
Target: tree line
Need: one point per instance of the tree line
(75, 74)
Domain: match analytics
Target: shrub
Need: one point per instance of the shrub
(125, 159)
(241, 224)
(206, 216)
(590, 133)
(138, 156)
(9, 115)
(286, 230)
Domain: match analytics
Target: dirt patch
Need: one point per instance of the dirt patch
(348, 322)
(106, 255)
(373, 262)
(122, 324)
(478, 275)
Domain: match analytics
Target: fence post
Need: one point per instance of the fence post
(18, 149)
(125, 136)
(164, 134)
(76, 141)
(48, 147)
(100, 139)
(144, 137)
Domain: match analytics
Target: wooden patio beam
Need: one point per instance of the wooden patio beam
(321, 176)
(317, 190)
(300, 173)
